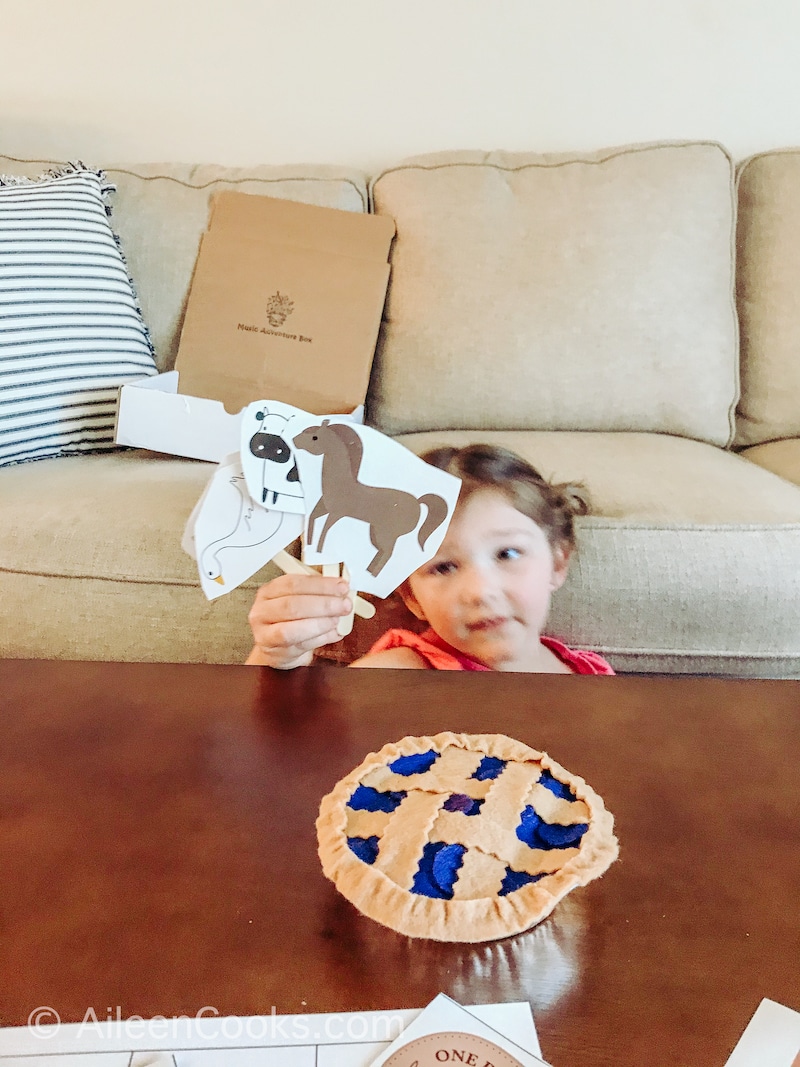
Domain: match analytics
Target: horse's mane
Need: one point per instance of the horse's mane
(353, 443)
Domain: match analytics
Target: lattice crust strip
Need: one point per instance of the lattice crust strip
(462, 837)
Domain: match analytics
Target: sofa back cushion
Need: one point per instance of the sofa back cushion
(768, 284)
(560, 293)
(160, 211)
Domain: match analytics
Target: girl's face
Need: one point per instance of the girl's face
(487, 590)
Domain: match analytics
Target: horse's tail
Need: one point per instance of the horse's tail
(437, 513)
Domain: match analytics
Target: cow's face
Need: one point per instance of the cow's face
(279, 478)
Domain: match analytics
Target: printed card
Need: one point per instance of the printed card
(342, 1039)
(371, 503)
(232, 537)
(772, 1038)
(361, 499)
(444, 1032)
(268, 456)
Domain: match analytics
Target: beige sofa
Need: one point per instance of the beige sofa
(628, 319)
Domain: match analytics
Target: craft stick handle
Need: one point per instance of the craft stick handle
(345, 623)
(291, 565)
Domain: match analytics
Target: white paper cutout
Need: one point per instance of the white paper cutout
(309, 1040)
(232, 537)
(372, 503)
(444, 1014)
(771, 1039)
(268, 459)
(187, 541)
(364, 501)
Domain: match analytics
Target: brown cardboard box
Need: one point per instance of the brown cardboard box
(285, 304)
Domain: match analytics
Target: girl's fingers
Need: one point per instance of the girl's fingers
(329, 636)
(302, 585)
(300, 597)
(295, 614)
(288, 610)
(299, 635)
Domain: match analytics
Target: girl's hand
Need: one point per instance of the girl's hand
(294, 614)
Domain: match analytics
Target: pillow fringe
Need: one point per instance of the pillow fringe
(134, 293)
(73, 167)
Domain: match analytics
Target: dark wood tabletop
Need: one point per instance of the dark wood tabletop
(158, 850)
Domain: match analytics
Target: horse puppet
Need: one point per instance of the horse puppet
(390, 513)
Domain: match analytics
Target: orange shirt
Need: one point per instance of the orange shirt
(440, 656)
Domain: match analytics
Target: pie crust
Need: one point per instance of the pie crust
(462, 837)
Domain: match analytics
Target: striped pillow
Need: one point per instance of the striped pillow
(71, 332)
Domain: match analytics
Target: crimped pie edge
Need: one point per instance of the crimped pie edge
(483, 919)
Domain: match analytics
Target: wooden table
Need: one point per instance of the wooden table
(158, 851)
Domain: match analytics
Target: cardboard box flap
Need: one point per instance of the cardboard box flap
(290, 323)
(288, 222)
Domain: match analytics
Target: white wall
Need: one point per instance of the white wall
(364, 82)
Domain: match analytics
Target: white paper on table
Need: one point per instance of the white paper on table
(371, 503)
(444, 1015)
(232, 537)
(772, 1038)
(345, 1039)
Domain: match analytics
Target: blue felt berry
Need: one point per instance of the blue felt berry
(559, 789)
(418, 763)
(366, 848)
(556, 836)
(516, 880)
(489, 767)
(461, 802)
(365, 798)
(437, 871)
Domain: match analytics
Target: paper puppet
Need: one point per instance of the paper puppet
(232, 536)
(372, 503)
(364, 502)
(268, 459)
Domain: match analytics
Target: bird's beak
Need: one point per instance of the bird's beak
(220, 579)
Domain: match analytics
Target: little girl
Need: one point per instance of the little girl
(485, 595)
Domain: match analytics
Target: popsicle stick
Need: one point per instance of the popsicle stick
(291, 565)
(345, 623)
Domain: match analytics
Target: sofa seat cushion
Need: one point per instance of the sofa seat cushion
(534, 292)
(768, 281)
(91, 565)
(690, 560)
(780, 457)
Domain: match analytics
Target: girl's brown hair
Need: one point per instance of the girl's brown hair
(551, 506)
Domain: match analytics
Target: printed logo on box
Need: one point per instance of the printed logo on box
(279, 308)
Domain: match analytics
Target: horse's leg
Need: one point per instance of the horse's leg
(318, 512)
(382, 556)
(331, 519)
